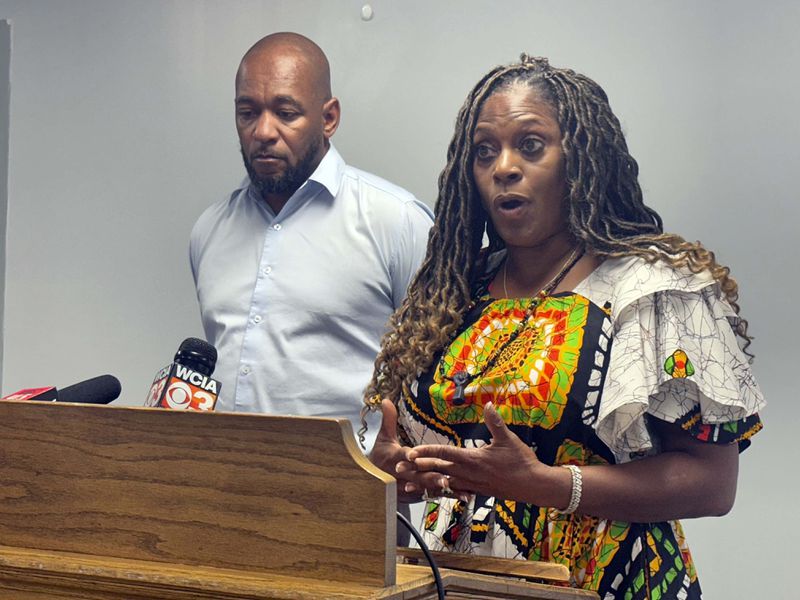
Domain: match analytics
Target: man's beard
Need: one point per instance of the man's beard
(290, 180)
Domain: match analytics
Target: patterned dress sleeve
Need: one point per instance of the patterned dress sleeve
(674, 357)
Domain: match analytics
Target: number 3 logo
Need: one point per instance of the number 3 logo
(205, 401)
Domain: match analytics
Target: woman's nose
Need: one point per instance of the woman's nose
(506, 169)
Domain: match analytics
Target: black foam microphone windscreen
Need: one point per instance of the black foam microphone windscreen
(97, 390)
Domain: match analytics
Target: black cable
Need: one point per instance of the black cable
(424, 547)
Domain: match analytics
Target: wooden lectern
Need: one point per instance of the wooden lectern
(105, 502)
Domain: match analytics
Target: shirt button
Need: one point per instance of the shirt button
(277, 227)
(245, 370)
(267, 270)
(257, 319)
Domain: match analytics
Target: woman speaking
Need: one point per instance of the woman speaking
(569, 390)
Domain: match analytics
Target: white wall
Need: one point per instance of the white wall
(122, 132)
(5, 56)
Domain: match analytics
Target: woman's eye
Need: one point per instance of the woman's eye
(531, 145)
(483, 152)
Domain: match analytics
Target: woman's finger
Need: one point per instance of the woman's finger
(450, 454)
(389, 421)
(495, 424)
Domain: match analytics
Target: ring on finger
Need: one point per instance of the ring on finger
(446, 491)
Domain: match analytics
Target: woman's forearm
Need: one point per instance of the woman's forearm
(672, 485)
(687, 479)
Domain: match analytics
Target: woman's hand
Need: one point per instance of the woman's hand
(689, 478)
(506, 468)
(390, 456)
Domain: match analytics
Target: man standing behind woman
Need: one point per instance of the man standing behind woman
(572, 389)
(299, 269)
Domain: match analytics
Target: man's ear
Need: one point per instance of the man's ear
(331, 111)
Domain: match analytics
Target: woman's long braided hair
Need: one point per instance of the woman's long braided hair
(606, 213)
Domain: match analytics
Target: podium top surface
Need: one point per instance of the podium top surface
(62, 575)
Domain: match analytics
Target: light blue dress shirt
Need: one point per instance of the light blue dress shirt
(296, 303)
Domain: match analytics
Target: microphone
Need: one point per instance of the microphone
(97, 390)
(185, 383)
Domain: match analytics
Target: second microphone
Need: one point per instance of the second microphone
(186, 383)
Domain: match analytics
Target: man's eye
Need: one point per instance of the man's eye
(288, 115)
(531, 145)
(244, 114)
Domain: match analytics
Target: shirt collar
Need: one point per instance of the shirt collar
(329, 171)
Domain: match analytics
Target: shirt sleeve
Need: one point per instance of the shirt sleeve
(675, 356)
(411, 245)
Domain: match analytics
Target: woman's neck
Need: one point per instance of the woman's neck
(528, 270)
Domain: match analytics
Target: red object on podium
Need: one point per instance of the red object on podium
(42, 394)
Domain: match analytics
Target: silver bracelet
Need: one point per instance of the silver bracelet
(577, 490)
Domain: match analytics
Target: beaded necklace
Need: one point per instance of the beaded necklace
(463, 378)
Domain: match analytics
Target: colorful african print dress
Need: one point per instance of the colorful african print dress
(578, 383)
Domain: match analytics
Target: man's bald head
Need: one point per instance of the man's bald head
(288, 47)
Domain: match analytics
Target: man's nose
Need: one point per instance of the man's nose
(506, 167)
(266, 130)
